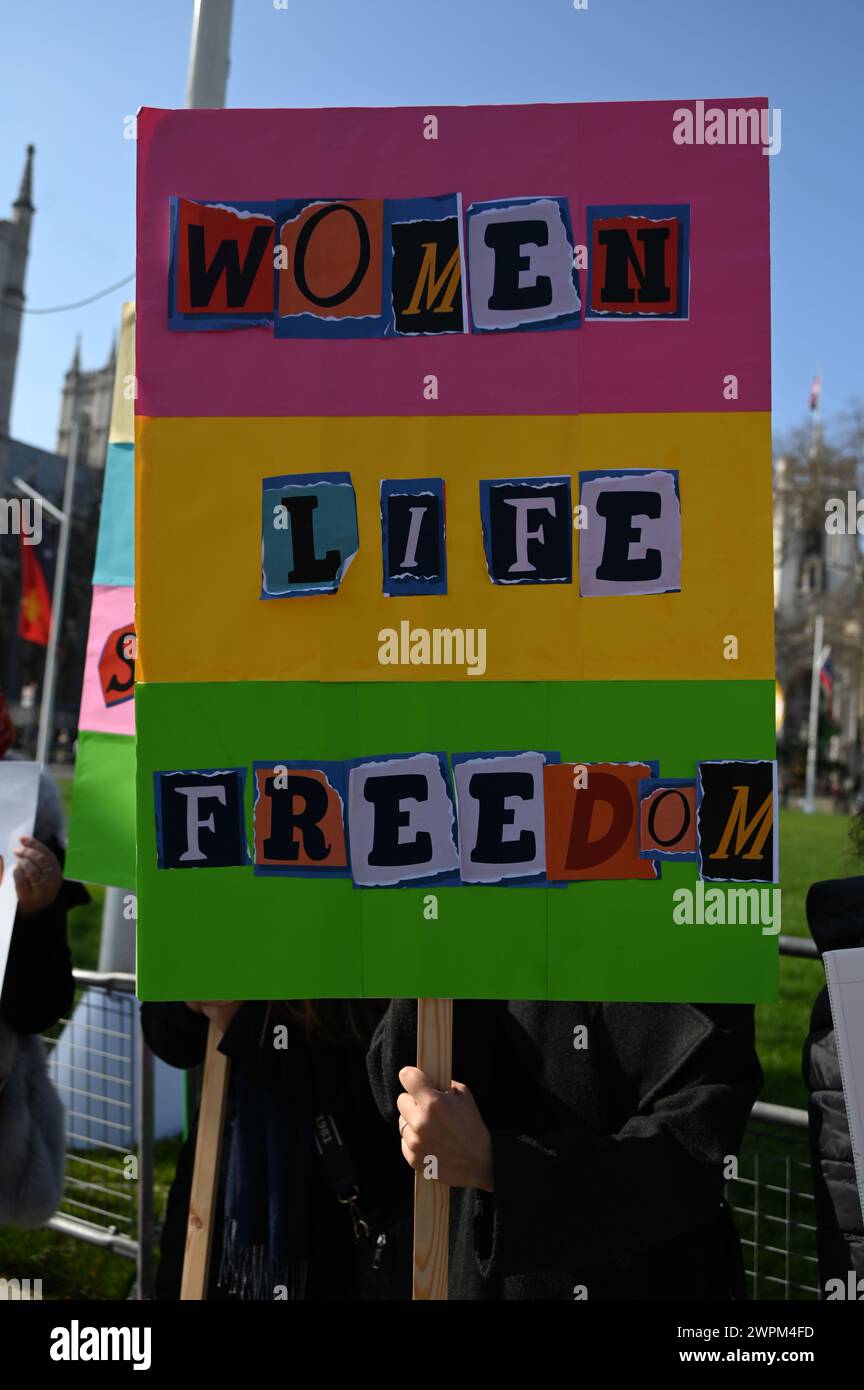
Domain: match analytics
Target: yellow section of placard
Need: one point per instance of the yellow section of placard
(122, 428)
(200, 616)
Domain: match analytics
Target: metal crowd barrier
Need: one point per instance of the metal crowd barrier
(104, 1072)
(772, 1198)
(774, 1207)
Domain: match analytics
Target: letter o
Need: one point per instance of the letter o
(652, 811)
(304, 236)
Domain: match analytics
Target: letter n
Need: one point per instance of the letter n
(639, 262)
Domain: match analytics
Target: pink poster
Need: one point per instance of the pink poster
(705, 349)
(107, 697)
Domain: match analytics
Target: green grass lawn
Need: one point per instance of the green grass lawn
(811, 848)
(70, 1269)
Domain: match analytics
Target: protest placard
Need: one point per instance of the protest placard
(454, 546)
(454, 564)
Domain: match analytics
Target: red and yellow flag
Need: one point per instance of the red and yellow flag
(34, 619)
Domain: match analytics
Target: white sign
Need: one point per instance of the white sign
(844, 971)
(19, 791)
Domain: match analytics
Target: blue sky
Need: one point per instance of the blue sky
(74, 69)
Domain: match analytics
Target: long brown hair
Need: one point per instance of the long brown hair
(332, 1020)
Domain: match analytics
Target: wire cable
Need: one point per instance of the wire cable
(79, 304)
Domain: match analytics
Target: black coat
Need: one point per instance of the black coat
(334, 1080)
(608, 1159)
(835, 914)
(38, 987)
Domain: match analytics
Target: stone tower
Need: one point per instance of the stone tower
(14, 246)
(86, 398)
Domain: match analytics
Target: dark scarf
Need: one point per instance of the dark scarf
(269, 1168)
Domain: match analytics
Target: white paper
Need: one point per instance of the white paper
(845, 973)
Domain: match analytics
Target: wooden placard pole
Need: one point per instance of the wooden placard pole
(432, 1198)
(205, 1175)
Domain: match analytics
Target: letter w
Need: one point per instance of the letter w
(204, 278)
(743, 829)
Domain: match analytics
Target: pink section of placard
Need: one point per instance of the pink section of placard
(111, 609)
(592, 154)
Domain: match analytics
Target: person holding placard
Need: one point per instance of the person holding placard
(588, 1144)
(37, 990)
(38, 985)
(314, 1202)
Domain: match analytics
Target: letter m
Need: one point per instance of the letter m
(742, 125)
(115, 1344)
(433, 285)
(448, 646)
(759, 827)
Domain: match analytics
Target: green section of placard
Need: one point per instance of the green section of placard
(227, 934)
(101, 846)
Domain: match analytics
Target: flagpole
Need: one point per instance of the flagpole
(816, 415)
(49, 681)
(209, 53)
(813, 728)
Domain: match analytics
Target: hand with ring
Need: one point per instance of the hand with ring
(448, 1125)
(38, 876)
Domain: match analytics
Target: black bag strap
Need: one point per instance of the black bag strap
(337, 1167)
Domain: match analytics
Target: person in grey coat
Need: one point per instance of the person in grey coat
(37, 990)
(835, 915)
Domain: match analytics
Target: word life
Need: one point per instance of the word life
(629, 522)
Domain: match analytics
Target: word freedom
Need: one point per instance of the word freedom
(473, 818)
